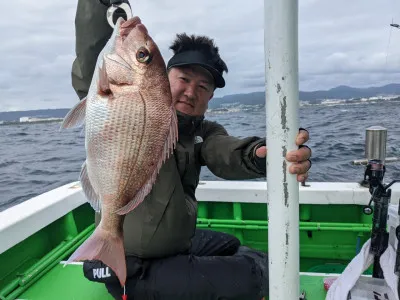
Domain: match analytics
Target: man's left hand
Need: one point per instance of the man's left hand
(299, 158)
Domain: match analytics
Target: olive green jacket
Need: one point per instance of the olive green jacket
(165, 222)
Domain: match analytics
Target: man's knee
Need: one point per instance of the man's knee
(261, 261)
(243, 275)
(209, 243)
(231, 241)
(216, 277)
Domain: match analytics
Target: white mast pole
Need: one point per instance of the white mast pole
(282, 92)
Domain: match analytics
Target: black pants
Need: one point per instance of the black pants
(216, 267)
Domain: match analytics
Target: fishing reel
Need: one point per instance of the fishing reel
(373, 177)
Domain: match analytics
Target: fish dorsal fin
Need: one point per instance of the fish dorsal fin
(167, 150)
(91, 195)
(76, 116)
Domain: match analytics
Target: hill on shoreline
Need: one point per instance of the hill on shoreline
(313, 97)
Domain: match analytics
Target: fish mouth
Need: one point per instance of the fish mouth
(127, 26)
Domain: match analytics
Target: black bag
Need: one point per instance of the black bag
(95, 270)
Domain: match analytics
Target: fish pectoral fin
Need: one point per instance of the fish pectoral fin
(172, 136)
(167, 150)
(76, 116)
(139, 197)
(91, 195)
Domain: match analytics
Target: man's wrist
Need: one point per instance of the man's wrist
(111, 2)
(259, 162)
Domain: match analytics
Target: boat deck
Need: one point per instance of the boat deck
(37, 234)
(68, 282)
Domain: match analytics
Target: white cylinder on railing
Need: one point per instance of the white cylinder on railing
(282, 104)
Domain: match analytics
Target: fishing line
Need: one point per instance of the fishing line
(390, 35)
(124, 296)
(387, 47)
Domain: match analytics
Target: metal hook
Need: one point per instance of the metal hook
(110, 12)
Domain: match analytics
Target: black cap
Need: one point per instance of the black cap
(193, 57)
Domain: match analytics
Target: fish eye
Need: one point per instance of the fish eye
(143, 55)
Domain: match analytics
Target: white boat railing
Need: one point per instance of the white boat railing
(24, 219)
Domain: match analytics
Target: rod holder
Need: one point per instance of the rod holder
(375, 143)
(375, 146)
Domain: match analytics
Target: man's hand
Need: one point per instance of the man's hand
(300, 158)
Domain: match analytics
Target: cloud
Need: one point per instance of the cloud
(340, 42)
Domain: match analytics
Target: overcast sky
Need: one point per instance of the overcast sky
(340, 42)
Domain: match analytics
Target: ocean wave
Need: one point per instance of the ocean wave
(344, 102)
(39, 160)
(7, 163)
(17, 134)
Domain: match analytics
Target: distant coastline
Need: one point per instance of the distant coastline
(340, 95)
(49, 120)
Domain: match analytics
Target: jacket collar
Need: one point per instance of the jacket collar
(187, 124)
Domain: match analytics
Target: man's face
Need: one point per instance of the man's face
(192, 88)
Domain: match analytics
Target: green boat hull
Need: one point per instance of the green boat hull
(330, 236)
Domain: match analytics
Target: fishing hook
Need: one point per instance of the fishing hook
(111, 10)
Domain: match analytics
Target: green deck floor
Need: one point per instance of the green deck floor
(69, 284)
(330, 236)
(64, 283)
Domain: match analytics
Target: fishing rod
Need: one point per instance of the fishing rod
(397, 263)
(380, 196)
(375, 150)
(365, 162)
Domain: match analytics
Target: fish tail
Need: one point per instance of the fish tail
(106, 247)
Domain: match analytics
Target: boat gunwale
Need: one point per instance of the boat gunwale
(22, 220)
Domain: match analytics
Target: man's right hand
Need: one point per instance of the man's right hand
(118, 12)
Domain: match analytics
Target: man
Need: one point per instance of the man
(167, 258)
